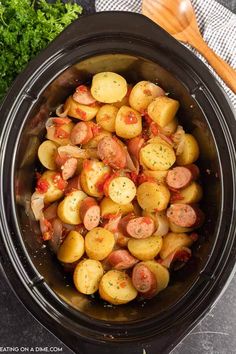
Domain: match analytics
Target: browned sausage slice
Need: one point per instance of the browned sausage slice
(81, 133)
(112, 153)
(144, 280)
(69, 168)
(184, 215)
(90, 213)
(73, 185)
(141, 227)
(134, 145)
(83, 95)
(181, 176)
(121, 259)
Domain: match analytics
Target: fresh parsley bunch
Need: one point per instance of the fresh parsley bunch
(26, 27)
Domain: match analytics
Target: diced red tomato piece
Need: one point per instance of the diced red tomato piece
(61, 121)
(131, 118)
(42, 185)
(81, 113)
(59, 181)
(60, 133)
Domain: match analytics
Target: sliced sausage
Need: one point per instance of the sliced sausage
(181, 176)
(177, 258)
(69, 168)
(134, 145)
(121, 259)
(90, 213)
(60, 159)
(81, 133)
(144, 280)
(184, 215)
(73, 184)
(83, 95)
(141, 227)
(112, 153)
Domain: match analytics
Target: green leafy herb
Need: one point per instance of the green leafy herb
(26, 27)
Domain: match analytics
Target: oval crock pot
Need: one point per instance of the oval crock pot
(138, 49)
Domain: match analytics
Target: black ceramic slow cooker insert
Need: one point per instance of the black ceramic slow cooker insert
(135, 47)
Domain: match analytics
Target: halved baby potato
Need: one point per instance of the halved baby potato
(170, 128)
(87, 276)
(106, 117)
(157, 157)
(152, 196)
(121, 190)
(46, 154)
(143, 93)
(145, 249)
(94, 173)
(80, 111)
(179, 229)
(72, 248)
(191, 194)
(190, 151)
(62, 136)
(172, 241)
(159, 176)
(163, 110)
(161, 273)
(108, 87)
(53, 193)
(128, 123)
(109, 207)
(68, 209)
(117, 288)
(99, 243)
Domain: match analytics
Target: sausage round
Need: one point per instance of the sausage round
(181, 176)
(144, 280)
(134, 145)
(141, 227)
(121, 259)
(81, 133)
(69, 168)
(90, 213)
(184, 215)
(73, 184)
(112, 153)
(83, 95)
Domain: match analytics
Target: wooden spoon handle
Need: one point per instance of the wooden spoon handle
(224, 70)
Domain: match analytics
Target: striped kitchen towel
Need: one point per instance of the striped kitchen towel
(217, 25)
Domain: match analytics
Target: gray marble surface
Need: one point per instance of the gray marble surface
(215, 334)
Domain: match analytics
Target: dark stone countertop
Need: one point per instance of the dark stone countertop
(215, 334)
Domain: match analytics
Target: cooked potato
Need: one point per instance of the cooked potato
(106, 117)
(46, 154)
(161, 273)
(53, 193)
(170, 128)
(152, 196)
(93, 143)
(145, 249)
(128, 123)
(191, 194)
(109, 207)
(72, 248)
(121, 190)
(116, 287)
(159, 176)
(171, 241)
(99, 243)
(68, 209)
(157, 157)
(124, 101)
(163, 110)
(92, 174)
(108, 87)
(179, 229)
(143, 93)
(190, 151)
(80, 111)
(87, 276)
(63, 136)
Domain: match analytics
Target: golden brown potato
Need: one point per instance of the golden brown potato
(128, 123)
(53, 193)
(172, 241)
(108, 87)
(87, 276)
(170, 128)
(109, 207)
(179, 229)
(121, 190)
(159, 176)
(106, 117)
(145, 249)
(92, 174)
(157, 157)
(80, 111)
(72, 248)
(190, 151)
(143, 93)
(68, 209)
(152, 196)
(99, 243)
(64, 139)
(191, 194)
(116, 287)
(161, 273)
(46, 154)
(163, 110)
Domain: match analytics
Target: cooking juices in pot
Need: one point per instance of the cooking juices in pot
(117, 202)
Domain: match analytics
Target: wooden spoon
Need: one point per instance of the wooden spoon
(178, 18)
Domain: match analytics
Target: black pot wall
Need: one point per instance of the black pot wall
(150, 54)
